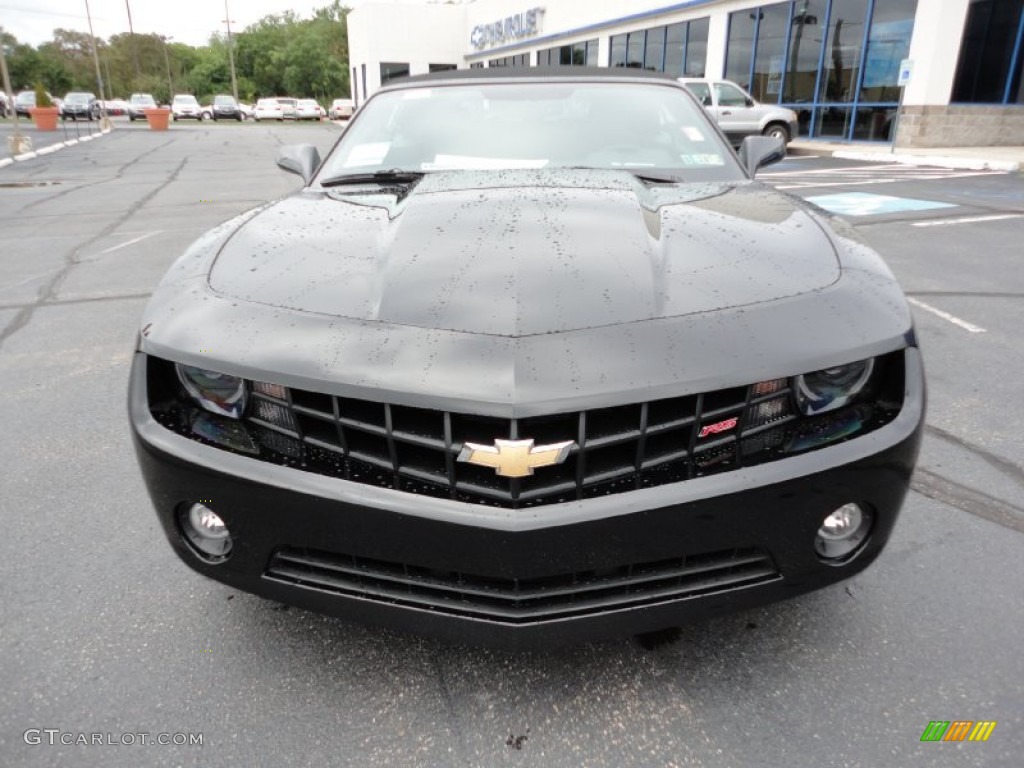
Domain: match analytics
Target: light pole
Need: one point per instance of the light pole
(131, 40)
(110, 87)
(231, 53)
(167, 61)
(16, 143)
(105, 119)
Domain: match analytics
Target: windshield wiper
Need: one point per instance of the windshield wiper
(657, 178)
(648, 176)
(391, 176)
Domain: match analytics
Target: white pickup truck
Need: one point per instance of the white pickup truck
(738, 114)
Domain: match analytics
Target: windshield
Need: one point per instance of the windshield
(491, 126)
(224, 100)
(142, 99)
(185, 100)
(77, 98)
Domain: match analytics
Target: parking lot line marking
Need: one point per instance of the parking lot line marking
(795, 183)
(129, 242)
(815, 185)
(967, 220)
(969, 327)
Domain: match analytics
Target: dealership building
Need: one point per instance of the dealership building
(841, 64)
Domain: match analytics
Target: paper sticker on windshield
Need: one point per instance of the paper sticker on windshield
(702, 159)
(417, 93)
(692, 133)
(367, 154)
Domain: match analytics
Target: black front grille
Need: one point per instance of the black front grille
(518, 601)
(615, 449)
(421, 446)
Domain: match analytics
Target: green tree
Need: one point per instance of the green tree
(283, 54)
(22, 62)
(69, 57)
(280, 54)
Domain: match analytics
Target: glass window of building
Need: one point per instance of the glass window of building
(654, 50)
(617, 57)
(579, 54)
(696, 48)
(835, 62)
(772, 28)
(843, 54)
(519, 60)
(675, 48)
(892, 24)
(678, 49)
(635, 49)
(389, 70)
(989, 70)
(805, 43)
(442, 67)
(740, 48)
(628, 50)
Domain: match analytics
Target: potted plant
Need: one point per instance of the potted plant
(44, 114)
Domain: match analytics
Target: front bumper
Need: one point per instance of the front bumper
(632, 562)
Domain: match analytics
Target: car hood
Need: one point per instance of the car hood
(540, 252)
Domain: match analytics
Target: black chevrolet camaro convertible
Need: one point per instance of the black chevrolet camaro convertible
(530, 357)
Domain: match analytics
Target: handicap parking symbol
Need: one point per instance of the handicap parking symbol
(867, 204)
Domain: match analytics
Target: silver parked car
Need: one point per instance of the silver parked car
(185, 106)
(138, 103)
(737, 112)
(341, 109)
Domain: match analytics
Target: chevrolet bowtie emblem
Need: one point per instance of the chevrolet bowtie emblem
(515, 458)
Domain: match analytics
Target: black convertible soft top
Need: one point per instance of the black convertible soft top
(530, 73)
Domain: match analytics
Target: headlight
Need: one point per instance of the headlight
(216, 392)
(831, 388)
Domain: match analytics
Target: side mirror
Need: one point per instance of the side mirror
(706, 101)
(302, 159)
(759, 151)
(749, 101)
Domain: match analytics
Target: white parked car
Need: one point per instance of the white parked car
(738, 114)
(267, 109)
(289, 107)
(307, 109)
(341, 109)
(186, 107)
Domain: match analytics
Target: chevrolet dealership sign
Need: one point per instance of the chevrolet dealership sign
(515, 27)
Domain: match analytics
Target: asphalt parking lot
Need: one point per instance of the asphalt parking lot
(103, 630)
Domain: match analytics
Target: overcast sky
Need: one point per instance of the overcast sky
(187, 21)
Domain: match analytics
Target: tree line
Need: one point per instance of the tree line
(281, 54)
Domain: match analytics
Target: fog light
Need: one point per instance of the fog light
(842, 532)
(206, 531)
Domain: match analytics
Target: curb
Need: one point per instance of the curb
(905, 158)
(51, 148)
(943, 161)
